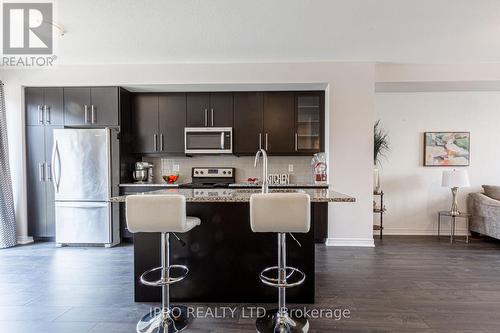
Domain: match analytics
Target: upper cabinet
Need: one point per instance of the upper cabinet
(248, 122)
(44, 106)
(95, 106)
(309, 126)
(209, 109)
(172, 120)
(279, 122)
(157, 123)
(283, 123)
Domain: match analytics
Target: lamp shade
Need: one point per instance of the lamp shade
(455, 178)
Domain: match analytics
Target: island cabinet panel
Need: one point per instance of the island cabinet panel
(144, 123)
(44, 106)
(225, 259)
(91, 106)
(209, 109)
(279, 123)
(172, 120)
(248, 122)
(157, 123)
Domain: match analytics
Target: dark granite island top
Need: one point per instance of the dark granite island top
(224, 256)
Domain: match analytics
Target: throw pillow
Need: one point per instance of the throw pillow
(492, 191)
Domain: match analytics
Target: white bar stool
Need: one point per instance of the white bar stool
(165, 214)
(281, 213)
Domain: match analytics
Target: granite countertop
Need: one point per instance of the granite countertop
(297, 185)
(243, 195)
(149, 185)
(246, 185)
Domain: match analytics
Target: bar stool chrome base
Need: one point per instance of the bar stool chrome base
(156, 322)
(273, 322)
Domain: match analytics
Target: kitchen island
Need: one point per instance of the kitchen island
(224, 256)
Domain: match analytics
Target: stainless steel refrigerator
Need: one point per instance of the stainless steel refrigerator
(85, 171)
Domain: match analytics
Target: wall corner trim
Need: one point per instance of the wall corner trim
(22, 240)
(356, 242)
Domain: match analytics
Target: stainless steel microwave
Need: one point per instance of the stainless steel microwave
(208, 140)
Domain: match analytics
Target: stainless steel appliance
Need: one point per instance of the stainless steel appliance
(143, 172)
(83, 160)
(208, 140)
(211, 177)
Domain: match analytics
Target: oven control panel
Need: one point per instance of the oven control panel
(198, 172)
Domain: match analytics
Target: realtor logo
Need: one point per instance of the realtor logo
(27, 28)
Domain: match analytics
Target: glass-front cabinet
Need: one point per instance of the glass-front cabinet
(309, 122)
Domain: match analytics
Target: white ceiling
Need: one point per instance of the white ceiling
(165, 31)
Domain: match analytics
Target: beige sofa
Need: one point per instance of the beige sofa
(485, 210)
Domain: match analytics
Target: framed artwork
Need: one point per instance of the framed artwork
(446, 148)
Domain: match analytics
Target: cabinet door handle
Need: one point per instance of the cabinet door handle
(46, 112)
(260, 140)
(266, 141)
(296, 141)
(212, 116)
(40, 115)
(48, 172)
(206, 117)
(92, 114)
(41, 172)
(161, 142)
(86, 109)
(155, 144)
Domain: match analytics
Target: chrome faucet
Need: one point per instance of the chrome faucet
(265, 184)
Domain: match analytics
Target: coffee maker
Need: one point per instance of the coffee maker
(143, 172)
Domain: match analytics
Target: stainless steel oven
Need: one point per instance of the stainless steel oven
(208, 140)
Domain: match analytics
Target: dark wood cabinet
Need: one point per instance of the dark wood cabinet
(221, 109)
(279, 122)
(144, 123)
(283, 123)
(96, 106)
(44, 106)
(248, 122)
(172, 120)
(158, 122)
(309, 122)
(209, 109)
(198, 106)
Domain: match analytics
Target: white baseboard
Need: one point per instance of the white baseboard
(420, 232)
(358, 242)
(21, 240)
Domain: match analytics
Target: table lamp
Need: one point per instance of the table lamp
(455, 179)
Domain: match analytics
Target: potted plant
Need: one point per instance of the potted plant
(380, 148)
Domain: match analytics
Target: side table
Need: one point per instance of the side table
(453, 221)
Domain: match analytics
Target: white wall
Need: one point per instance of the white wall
(413, 192)
(349, 102)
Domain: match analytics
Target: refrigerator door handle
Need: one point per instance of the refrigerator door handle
(41, 172)
(56, 178)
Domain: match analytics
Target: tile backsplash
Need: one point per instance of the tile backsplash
(302, 170)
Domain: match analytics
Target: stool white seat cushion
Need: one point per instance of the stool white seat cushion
(280, 212)
(158, 213)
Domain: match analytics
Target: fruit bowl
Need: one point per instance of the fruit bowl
(170, 179)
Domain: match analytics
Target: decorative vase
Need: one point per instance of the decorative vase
(376, 180)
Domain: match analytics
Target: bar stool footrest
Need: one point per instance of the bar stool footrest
(163, 282)
(291, 272)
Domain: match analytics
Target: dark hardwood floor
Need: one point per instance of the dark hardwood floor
(405, 284)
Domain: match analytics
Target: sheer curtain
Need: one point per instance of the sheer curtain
(7, 217)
